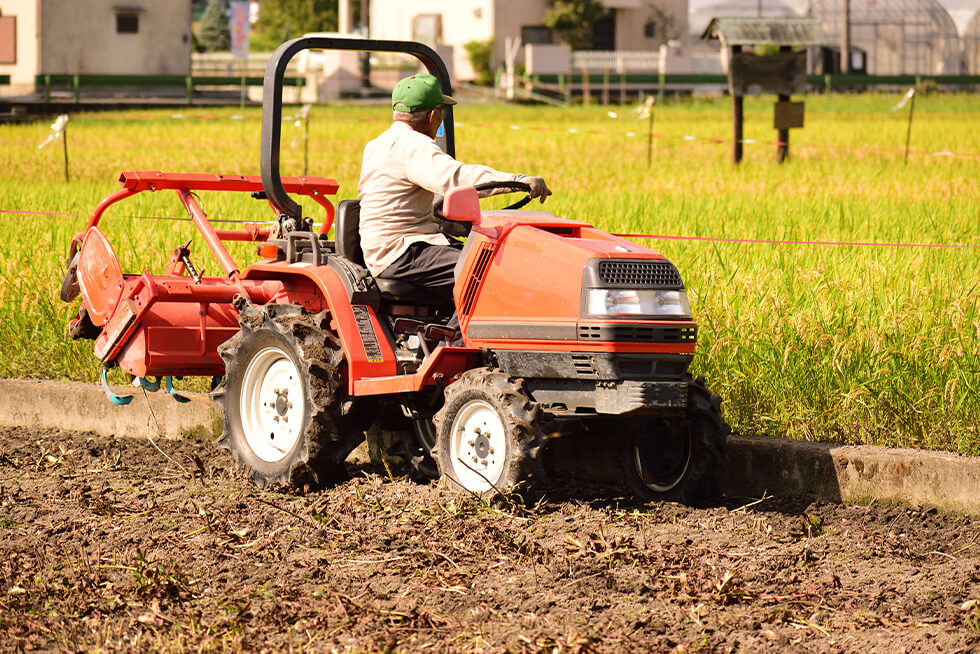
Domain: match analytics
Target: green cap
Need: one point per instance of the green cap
(418, 93)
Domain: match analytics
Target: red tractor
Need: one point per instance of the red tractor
(571, 335)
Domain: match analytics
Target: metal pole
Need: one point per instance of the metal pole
(650, 138)
(661, 71)
(908, 132)
(241, 101)
(782, 134)
(345, 17)
(845, 38)
(365, 56)
(64, 147)
(736, 112)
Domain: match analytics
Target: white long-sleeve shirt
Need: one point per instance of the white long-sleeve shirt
(401, 171)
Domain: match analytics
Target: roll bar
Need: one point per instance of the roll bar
(272, 102)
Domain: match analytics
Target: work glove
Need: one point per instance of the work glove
(538, 188)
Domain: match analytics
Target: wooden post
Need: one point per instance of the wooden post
(782, 134)
(736, 112)
(605, 87)
(586, 92)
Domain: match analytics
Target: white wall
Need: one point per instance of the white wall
(478, 20)
(22, 72)
(462, 21)
(81, 37)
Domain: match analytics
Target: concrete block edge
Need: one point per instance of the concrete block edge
(757, 465)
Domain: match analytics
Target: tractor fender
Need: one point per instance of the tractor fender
(352, 316)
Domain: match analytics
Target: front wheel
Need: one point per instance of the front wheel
(487, 437)
(681, 459)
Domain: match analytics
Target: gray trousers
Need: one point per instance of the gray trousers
(429, 266)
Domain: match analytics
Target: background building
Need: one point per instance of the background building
(96, 37)
(630, 26)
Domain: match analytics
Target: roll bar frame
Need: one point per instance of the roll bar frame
(272, 102)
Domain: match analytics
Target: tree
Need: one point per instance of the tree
(480, 53)
(281, 20)
(214, 34)
(573, 20)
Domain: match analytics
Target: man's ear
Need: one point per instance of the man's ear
(433, 124)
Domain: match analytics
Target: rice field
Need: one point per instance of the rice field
(845, 343)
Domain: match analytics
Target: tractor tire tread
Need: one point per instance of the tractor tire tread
(519, 411)
(319, 459)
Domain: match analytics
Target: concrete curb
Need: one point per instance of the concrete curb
(858, 474)
(757, 465)
(84, 407)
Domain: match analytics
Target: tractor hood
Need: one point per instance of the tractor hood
(576, 238)
(525, 279)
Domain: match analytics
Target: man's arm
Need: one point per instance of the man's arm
(436, 171)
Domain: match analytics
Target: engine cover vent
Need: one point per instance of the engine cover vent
(483, 259)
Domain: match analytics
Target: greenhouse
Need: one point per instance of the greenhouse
(892, 37)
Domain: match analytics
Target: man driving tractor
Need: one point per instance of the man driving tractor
(402, 170)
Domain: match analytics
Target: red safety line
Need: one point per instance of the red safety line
(41, 213)
(775, 242)
(214, 220)
(668, 237)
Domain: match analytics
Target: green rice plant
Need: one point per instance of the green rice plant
(845, 343)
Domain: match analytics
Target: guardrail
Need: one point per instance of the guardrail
(225, 63)
(187, 82)
(816, 81)
(618, 60)
(606, 82)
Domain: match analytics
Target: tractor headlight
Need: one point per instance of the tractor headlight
(633, 302)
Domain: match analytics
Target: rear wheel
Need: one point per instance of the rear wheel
(280, 397)
(487, 437)
(678, 460)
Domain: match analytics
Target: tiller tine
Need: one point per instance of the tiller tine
(120, 400)
(149, 386)
(169, 381)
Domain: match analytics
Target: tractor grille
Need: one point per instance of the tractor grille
(637, 333)
(655, 274)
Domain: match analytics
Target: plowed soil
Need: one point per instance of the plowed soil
(116, 545)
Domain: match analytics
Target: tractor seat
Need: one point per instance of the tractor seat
(348, 238)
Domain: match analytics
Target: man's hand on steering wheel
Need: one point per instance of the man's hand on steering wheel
(538, 188)
(462, 228)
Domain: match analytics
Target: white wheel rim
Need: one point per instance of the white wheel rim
(272, 403)
(665, 485)
(478, 446)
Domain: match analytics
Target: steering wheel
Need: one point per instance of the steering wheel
(462, 227)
